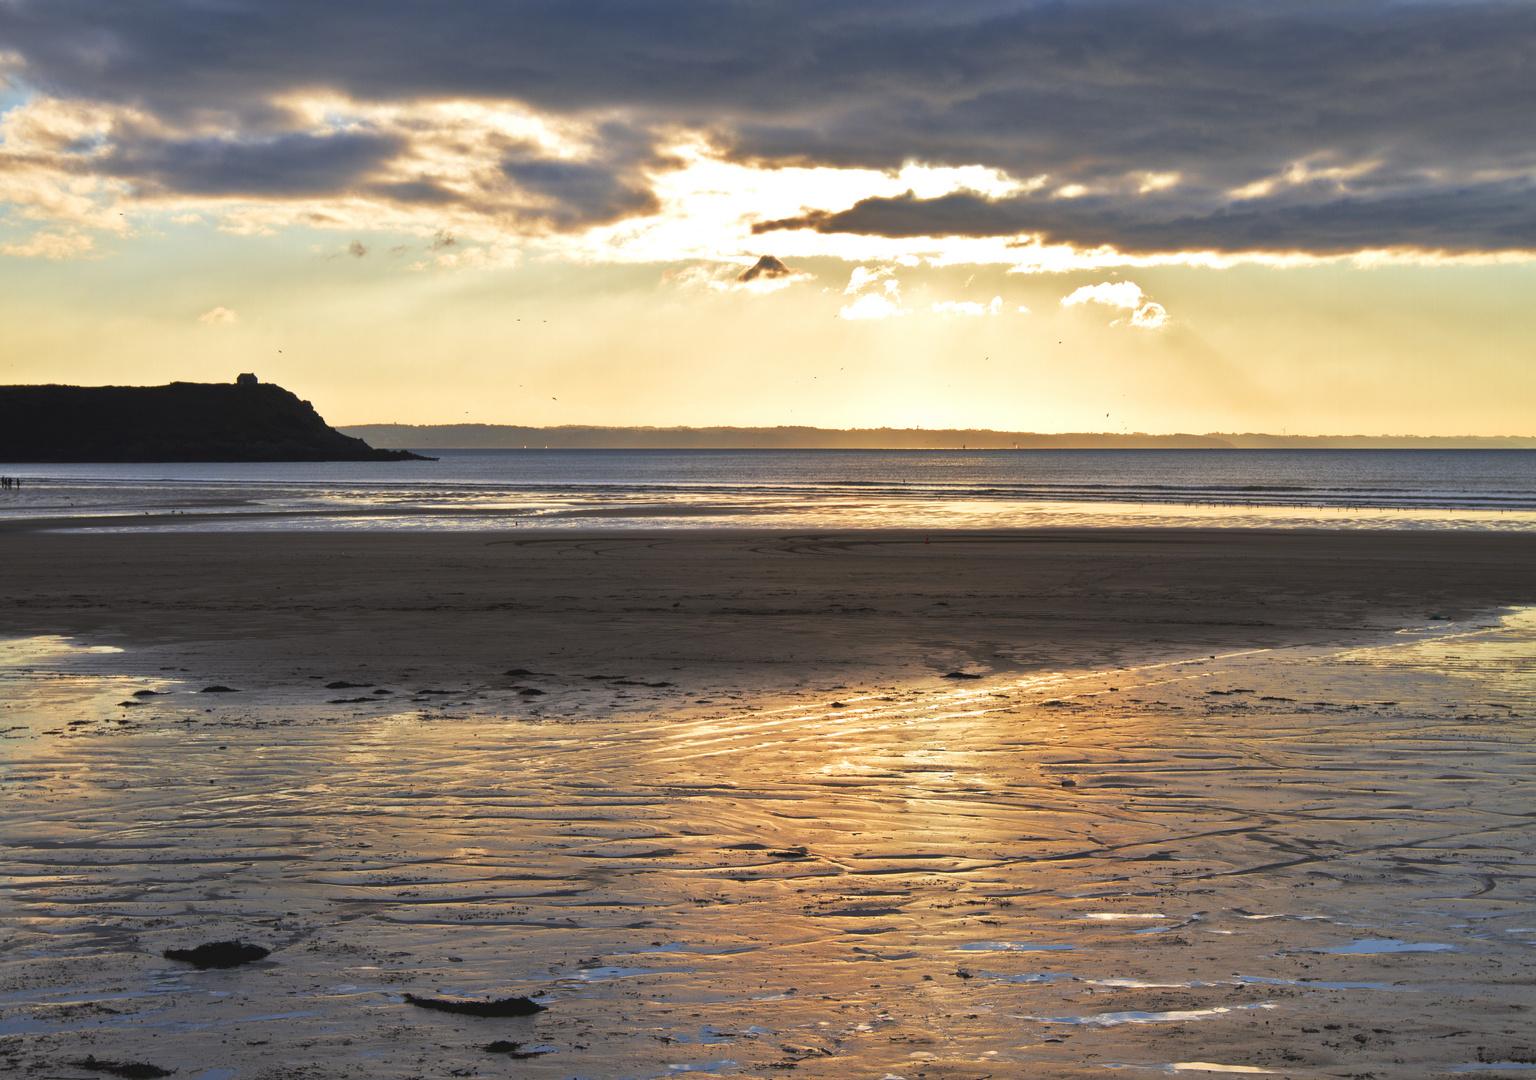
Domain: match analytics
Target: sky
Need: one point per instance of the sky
(1100, 215)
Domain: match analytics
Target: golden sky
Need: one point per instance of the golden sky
(1155, 216)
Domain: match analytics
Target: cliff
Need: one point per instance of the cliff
(244, 421)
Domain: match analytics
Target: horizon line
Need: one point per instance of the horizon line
(480, 435)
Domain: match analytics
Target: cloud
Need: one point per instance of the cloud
(219, 316)
(357, 249)
(862, 276)
(874, 305)
(1329, 220)
(610, 184)
(52, 244)
(491, 171)
(1143, 127)
(768, 274)
(291, 165)
(1121, 294)
(967, 307)
(1125, 294)
(766, 267)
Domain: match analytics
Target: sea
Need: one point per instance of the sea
(795, 489)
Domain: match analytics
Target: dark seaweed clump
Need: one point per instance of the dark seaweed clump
(127, 1069)
(511, 1049)
(218, 954)
(512, 1006)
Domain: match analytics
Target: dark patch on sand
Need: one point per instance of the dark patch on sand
(511, 1049)
(512, 1006)
(218, 954)
(128, 1069)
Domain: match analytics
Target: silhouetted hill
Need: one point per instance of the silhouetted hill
(244, 421)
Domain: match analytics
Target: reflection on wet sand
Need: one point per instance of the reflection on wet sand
(1298, 863)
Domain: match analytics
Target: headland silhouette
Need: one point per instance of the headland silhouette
(242, 421)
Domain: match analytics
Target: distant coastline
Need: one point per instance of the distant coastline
(577, 437)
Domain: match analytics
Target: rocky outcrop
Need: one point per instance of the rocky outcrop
(244, 421)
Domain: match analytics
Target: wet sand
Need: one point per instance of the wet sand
(745, 612)
(1218, 803)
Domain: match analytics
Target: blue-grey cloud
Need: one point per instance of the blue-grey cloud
(1479, 217)
(294, 164)
(1436, 96)
(420, 192)
(606, 188)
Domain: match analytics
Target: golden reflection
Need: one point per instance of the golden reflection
(1135, 866)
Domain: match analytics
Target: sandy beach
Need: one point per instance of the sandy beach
(1214, 802)
(751, 612)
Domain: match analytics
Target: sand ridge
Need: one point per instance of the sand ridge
(744, 611)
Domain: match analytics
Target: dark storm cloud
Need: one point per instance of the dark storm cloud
(1473, 218)
(585, 193)
(1440, 95)
(590, 192)
(285, 165)
(421, 192)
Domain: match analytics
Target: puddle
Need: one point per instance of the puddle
(1253, 980)
(1171, 1017)
(603, 974)
(21, 652)
(1110, 916)
(1373, 946)
(1194, 1066)
(1012, 946)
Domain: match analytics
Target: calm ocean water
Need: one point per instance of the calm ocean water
(486, 489)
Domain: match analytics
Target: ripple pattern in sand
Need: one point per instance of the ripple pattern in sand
(1192, 864)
